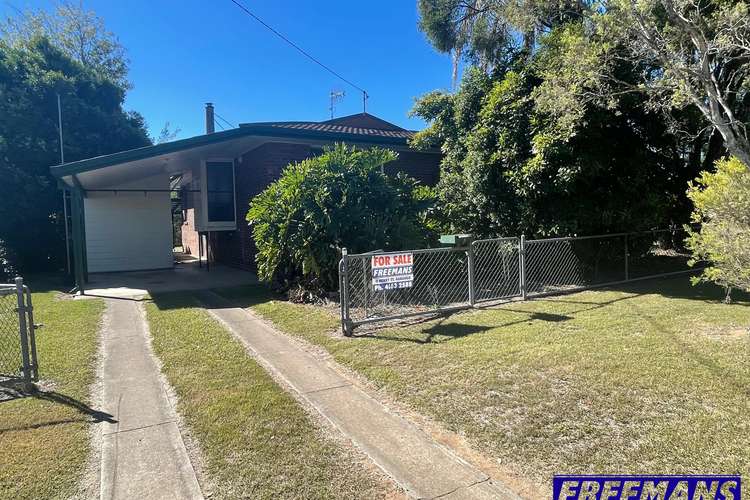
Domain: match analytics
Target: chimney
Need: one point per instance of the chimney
(209, 118)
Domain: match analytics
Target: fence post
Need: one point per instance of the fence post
(346, 326)
(32, 335)
(627, 258)
(522, 266)
(23, 333)
(470, 264)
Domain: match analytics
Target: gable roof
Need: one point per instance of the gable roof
(365, 120)
(362, 124)
(340, 129)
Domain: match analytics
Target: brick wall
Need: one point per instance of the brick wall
(258, 169)
(425, 167)
(262, 166)
(189, 234)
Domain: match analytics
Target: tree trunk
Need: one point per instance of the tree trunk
(737, 146)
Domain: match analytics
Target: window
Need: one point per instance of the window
(217, 196)
(220, 191)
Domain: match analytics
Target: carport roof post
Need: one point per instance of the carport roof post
(79, 239)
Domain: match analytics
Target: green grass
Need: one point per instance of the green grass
(44, 440)
(258, 442)
(647, 378)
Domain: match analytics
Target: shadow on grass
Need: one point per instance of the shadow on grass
(444, 330)
(453, 331)
(680, 287)
(47, 282)
(90, 414)
(242, 296)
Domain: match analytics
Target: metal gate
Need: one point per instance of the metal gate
(18, 361)
(498, 269)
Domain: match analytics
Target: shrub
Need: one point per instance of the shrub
(340, 199)
(722, 207)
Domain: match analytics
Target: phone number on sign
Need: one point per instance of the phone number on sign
(392, 286)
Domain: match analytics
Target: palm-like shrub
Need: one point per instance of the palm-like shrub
(340, 199)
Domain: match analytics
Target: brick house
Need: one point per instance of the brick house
(121, 204)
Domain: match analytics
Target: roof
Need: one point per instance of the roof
(329, 128)
(363, 124)
(359, 128)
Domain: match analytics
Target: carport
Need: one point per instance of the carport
(120, 204)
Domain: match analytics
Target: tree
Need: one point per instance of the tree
(78, 33)
(32, 75)
(491, 32)
(722, 207)
(339, 199)
(510, 169)
(685, 52)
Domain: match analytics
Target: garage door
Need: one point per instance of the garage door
(128, 231)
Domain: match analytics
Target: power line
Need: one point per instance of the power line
(304, 52)
(217, 115)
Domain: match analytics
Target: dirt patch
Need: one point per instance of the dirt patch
(732, 332)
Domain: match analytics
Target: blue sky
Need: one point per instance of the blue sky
(185, 53)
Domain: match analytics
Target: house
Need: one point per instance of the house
(121, 204)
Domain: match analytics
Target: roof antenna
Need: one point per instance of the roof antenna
(336, 96)
(365, 96)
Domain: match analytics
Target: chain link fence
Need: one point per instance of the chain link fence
(380, 286)
(18, 360)
(440, 282)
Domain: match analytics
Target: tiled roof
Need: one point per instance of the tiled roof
(335, 129)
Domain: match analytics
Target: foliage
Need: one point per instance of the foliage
(489, 33)
(32, 74)
(67, 53)
(321, 205)
(509, 168)
(78, 33)
(722, 207)
(167, 134)
(684, 53)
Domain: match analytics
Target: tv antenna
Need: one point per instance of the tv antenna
(336, 96)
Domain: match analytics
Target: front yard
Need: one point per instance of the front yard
(44, 439)
(256, 439)
(646, 378)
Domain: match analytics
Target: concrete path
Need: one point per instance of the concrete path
(413, 459)
(143, 455)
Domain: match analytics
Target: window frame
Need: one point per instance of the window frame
(217, 225)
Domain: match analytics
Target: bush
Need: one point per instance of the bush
(722, 207)
(340, 199)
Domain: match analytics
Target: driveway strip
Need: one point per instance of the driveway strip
(425, 468)
(143, 455)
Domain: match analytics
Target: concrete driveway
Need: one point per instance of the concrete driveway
(184, 276)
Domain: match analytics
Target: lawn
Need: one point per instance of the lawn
(256, 439)
(44, 440)
(646, 378)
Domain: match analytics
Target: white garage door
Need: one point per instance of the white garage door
(128, 231)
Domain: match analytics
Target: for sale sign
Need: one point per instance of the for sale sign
(391, 271)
